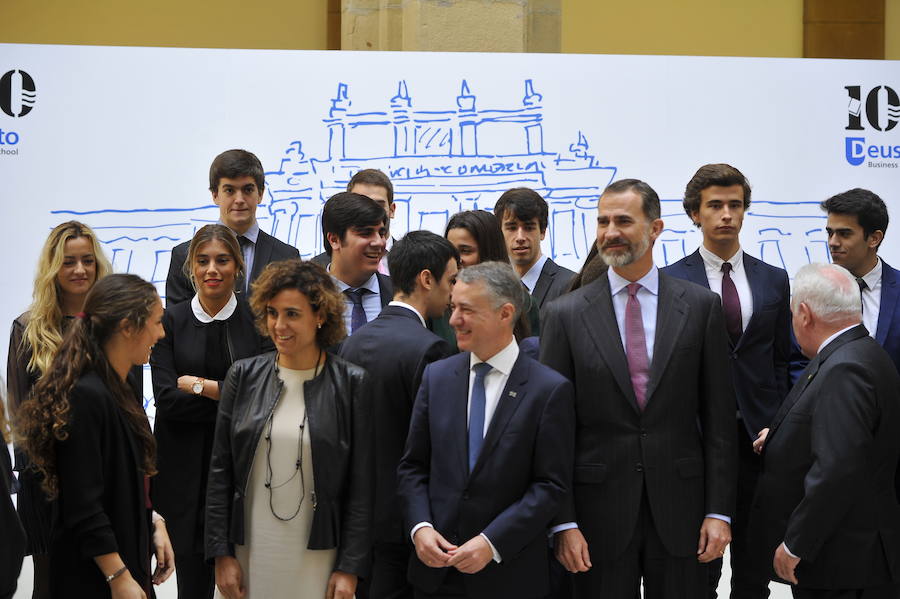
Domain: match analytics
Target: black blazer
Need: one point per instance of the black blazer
(681, 448)
(761, 358)
(553, 282)
(395, 349)
(268, 249)
(102, 499)
(827, 485)
(522, 474)
(12, 548)
(185, 423)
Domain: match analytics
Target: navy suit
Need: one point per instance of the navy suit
(887, 334)
(522, 473)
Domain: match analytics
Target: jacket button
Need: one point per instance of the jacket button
(638, 467)
(643, 432)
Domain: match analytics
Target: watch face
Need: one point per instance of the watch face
(197, 387)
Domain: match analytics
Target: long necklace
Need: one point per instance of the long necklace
(298, 465)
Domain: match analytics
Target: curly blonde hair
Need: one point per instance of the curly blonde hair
(43, 332)
(311, 280)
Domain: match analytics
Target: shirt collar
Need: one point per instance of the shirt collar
(408, 307)
(873, 277)
(502, 361)
(530, 278)
(252, 233)
(835, 336)
(649, 281)
(371, 284)
(714, 262)
(223, 314)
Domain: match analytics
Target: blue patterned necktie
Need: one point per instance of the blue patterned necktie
(358, 316)
(476, 413)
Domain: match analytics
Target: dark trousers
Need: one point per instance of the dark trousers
(452, 587)
(560, 579)
(196, 579)
(391, 561)
(665, 576)
(746, 580)
(889, 591)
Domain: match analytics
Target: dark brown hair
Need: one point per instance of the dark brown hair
(524, 204)
(233, 164)
(373, 176)
(722, 175)
(43, 420)
(484, 227)
(311, 280)
(204, 235)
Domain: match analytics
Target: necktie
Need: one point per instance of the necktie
(240, 284)
(636, 346)
(476, 413)
(862, 287)
(358, 316)
(731, 305)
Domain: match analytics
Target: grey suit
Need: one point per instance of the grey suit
(553, 282)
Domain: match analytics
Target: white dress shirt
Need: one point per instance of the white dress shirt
(371, 301)
(530, 278)
(871, 298)
(714, 274)
(410, 308)
(647, 295)
(494, 382)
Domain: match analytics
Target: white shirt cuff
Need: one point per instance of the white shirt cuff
(788, 551)
(725, 519)
(562, 527)
(415, 528)
(493, 549)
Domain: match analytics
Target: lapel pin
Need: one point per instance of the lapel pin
(512, 393)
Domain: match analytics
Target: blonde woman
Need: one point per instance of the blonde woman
(71, 261)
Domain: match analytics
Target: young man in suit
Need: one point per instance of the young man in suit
(354, 227)
(375, 184)
(523, 216)
(237, 182)
(825, 517)
(655, 476)
(489, 454)
(756, 302)
(395, 348)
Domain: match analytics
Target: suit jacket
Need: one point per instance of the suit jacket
(268, 249)
(680, 451)
(826, 488)
(12, 549)
(185, 423)
(521, 475)
(102, 498)
(395, 349)
(553, 282)
(761, 358)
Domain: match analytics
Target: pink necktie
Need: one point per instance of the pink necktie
(636, 346)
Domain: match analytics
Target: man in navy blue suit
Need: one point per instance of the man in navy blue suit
(489, 455)
(756, 302)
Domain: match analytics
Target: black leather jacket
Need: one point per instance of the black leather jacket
(340, 428)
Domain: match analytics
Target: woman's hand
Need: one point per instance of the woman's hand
(341, 585)
(229, 577)
(165, 555)
(125, 587)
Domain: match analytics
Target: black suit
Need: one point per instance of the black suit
(395, 348)
(671, 464)
(553, 282)
(268, 249)
(12, 548)
(827, 487)
(759, 363)
(522, 473)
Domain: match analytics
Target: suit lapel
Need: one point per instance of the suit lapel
(751, 269)
(696, 270)
(599, 319)
(543, 283)
(385, 289)
(511, 397)
(808, 375)
(889, 295)
(671, 313)
(262, 254)
(459, 411)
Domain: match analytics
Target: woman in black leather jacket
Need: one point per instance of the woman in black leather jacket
(289, 498)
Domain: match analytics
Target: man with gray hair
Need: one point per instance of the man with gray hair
(825, 515)
(489, 454)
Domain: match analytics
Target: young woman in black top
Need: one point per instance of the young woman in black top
(203, 337)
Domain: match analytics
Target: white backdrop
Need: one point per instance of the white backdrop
(122, 139)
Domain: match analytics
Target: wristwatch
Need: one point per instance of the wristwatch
(197, 387)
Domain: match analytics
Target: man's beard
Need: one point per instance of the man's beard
(629, 255)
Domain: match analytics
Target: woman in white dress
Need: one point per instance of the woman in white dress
(289, 500)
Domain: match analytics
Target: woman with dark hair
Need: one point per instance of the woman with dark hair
(88, 437)
(289, 500)
(70, 262)
(476, 234)
(204, 337)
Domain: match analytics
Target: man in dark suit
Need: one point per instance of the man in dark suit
(655, 461)
(395, 348)
(489, 454)
(375, 184)
(523, 216)
(354, 227)
(237, 182)
(756, 302)
(12, 549)
(825, 505)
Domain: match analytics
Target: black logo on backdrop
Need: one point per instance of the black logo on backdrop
(871, 108)
(27, 93)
